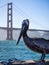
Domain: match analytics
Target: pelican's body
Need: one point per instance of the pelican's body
(39, 45)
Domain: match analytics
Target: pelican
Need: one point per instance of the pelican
(39, 45)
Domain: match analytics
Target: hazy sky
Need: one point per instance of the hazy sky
(37, 11)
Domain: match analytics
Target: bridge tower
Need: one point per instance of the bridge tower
(9, 22)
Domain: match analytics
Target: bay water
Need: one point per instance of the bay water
(9, 50)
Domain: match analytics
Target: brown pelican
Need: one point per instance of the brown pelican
(39, 45)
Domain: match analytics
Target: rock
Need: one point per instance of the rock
(28, 62)
(31, 62)
(1, 64)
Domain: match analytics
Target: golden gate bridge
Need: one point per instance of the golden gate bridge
(9, 35)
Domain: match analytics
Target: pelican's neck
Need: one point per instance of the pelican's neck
(25, 35)
(27, 40)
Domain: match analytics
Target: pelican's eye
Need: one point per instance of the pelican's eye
(25, 22)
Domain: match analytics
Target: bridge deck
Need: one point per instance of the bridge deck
(31, 33)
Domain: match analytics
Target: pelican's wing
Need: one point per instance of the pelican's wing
(42, 43)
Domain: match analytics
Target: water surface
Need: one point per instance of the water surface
(9, 50)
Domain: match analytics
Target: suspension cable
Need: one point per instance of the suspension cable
(3, 6)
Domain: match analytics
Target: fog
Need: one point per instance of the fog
(16, 33)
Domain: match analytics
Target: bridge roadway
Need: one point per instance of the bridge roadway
(31, 32)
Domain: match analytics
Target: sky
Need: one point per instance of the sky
(37, 11)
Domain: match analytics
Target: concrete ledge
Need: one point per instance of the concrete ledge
(28, 62)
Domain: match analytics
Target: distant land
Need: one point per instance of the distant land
(31, 33)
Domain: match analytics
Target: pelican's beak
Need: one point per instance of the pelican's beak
(21, 33)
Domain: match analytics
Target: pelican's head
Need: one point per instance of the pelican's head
(25, 25)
